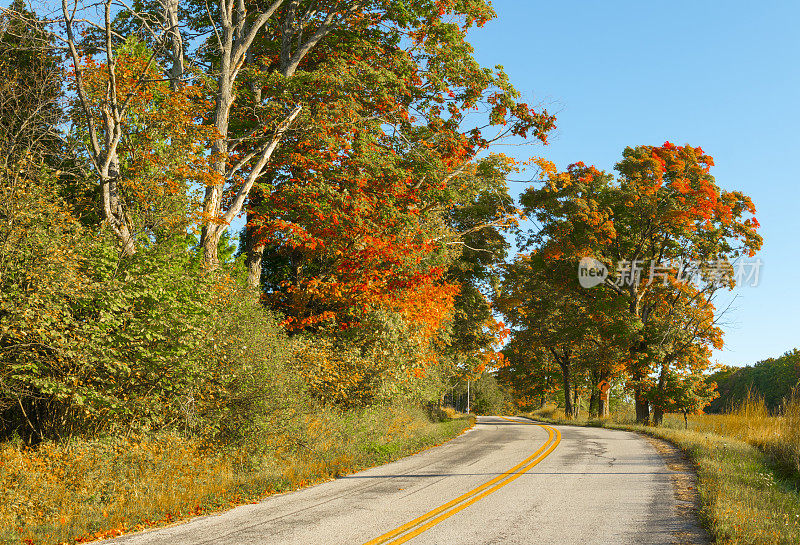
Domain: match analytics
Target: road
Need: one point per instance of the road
(506, 481)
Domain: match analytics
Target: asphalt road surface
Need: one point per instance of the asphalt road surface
(506, 481)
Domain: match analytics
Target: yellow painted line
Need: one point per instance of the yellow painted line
(463, 497)
(419, 524)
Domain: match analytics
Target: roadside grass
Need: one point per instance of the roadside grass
(77, 491)
(744, 460)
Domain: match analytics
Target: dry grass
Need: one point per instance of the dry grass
(83, 490)
(776, 435)
(746, 466)
(58, 492)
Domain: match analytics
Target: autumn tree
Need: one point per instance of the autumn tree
(684, 328)
(548, 310)
(531, 376)
(677, 214)
(685, 393)
(663, 213)
(159, 153)
(358, 206)
(479, 227)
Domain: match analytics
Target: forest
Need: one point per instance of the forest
(355, 144)
(353, 139)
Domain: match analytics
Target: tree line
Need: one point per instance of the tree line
(356, 140)
(773, 379)
(619, 279)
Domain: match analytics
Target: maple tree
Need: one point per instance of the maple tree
(679, 214)
(358, 209)
(686, 393)
(531, 375)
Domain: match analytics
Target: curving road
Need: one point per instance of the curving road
(506, 481)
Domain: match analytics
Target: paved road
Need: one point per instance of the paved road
(506, 481)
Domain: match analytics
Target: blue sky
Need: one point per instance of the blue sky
(721, 75)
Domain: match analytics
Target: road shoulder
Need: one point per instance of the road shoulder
(684, 486)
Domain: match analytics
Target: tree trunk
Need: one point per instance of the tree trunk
(255, 253)
(642, 406)
(602, 408)
(565, 371)
(254, 247)
(658, 413)
(576, 405)
(209, 238)
(594, 399)
(113, 209)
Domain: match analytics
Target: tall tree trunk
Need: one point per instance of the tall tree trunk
(642, 406)
(209, 238)
(254, 247)
(576, 400)
(212, 203)
(640, 401)
(114, 212)
(255, 253)
(658, 413)
(567, 384)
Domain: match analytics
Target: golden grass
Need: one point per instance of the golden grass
(743, 500)
(776, 435)
(81, 490)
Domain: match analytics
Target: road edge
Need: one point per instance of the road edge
(684, 479)
(472, 418)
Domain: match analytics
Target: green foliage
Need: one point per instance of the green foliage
(42, 281)
(773, 379)
(248, 391)
(90, 342)
(489, 397)
(685, 393)
(381, 360)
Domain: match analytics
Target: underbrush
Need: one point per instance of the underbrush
(80, 490)
(746, 465)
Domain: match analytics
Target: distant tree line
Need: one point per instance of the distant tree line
(772, 379)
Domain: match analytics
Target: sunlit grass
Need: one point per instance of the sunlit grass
(776, 435)
(80, 490)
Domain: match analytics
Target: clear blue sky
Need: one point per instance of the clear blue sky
(721, 75)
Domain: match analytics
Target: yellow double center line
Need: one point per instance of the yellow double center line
(430, 519)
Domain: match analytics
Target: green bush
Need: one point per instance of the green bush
(489, 398)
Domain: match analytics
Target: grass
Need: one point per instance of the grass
(746, 465)
(81, 490)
